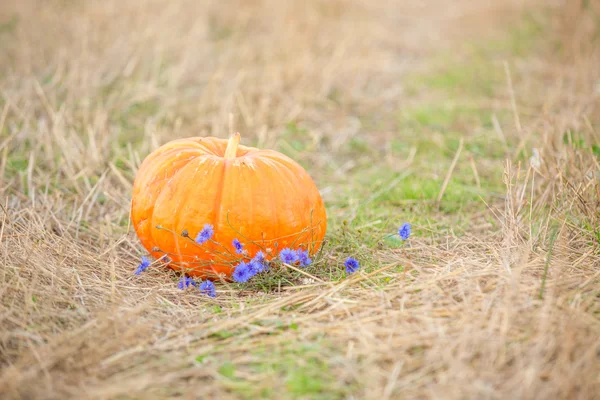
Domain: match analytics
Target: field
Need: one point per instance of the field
(477, 122)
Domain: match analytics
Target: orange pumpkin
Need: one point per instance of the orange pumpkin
(260, 197)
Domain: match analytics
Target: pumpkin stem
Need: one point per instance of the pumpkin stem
(232, 146)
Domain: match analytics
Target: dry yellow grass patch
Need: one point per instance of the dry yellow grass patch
(507, 308)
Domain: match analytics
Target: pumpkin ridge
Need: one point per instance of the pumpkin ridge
(158, 199)
(288, 164)
(148, 215)
(218, 204)
(172, 147)
(286, 175)
(273, 205)
(199, 161)
(272, 201)
(210, 147)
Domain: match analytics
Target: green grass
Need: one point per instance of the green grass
(434, 128)
(8, 26)
(289, 370)
(480, 72)
(382, 198)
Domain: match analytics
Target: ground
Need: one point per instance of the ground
(477, 122)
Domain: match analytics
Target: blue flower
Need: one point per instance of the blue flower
(185, 282)
(143, 266)
(239, 248)
(351, 265)
(257, 264)
(304, 258)
(288, 256)
(256, 267)
(208, 288)
(260, 257)
(243, 272)
(404, 231)
(206, 233)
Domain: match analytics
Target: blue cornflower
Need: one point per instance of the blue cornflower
(258, 264)
(243, 272)
(185, 282)
(288, 256)
(143, 266)
(239, 248)
(304, 258)
(208, 288)
(351, 265)
(259, 256)
(404, 231)
(256, 267)
(206, 233)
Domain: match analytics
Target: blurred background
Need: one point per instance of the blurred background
(334, 84)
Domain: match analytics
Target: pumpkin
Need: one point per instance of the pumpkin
(262, 198)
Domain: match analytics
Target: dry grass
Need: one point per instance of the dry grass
(506, 308)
